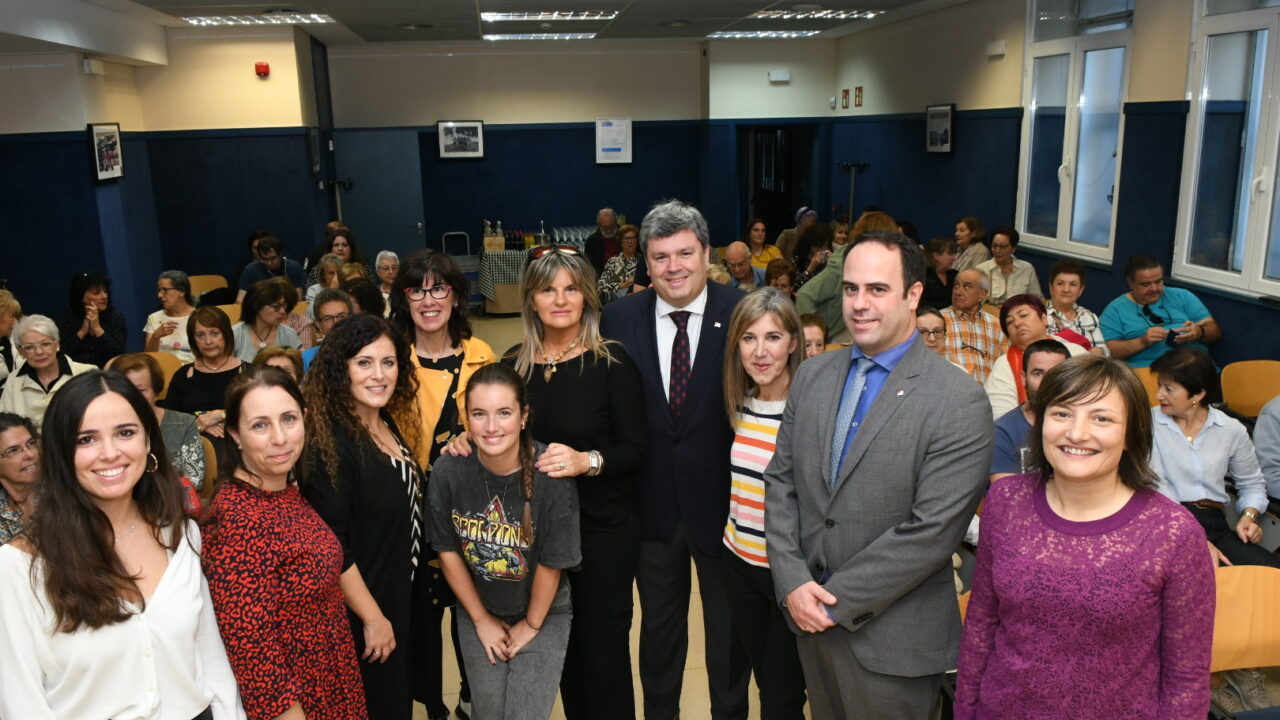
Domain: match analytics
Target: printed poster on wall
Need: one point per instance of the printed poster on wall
(613, 140)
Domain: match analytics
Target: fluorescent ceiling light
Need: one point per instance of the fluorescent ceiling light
(270, 19)
(815, 14)
(772, 34)
(541, 36)
(553, 15)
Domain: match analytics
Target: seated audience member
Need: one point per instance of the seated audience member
(365, 297)
(619, 274)
(908, 228)
(181, 435)
(1066, 285)
(254, 238)
(1025, 321)
(19, 468)
(271, 264)
(331, 306)
(969, 236)
(340, 242)
(262, 320)
(1010, 454)
(286, 358)
(300, 323)
(789, 239)
(386, 265)
(322, 248)
(199, 388)
(822, 294)
(940, 280)
(1197, 446)
(353, 271)
(1145, 322)
(762, 253)
(745, 275)
(933, 329)
(974, 337)
(815, 334)
(839, 234)
(717, 273)
(92, 331)
(812, 252)
(166, 328)
(104, 608)
(1266, 438)
(45, 370)
(780, 275)
(10, 313)
(1009, 275)
(1086, 577)
(326, 277)
(603, 243)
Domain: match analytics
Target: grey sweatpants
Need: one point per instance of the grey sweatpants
(524, 688)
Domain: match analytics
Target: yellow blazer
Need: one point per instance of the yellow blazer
(433, 386)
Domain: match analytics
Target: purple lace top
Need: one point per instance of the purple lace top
(1111, 618)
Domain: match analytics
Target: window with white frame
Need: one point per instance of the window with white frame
(1074, 95)
(1229, 210)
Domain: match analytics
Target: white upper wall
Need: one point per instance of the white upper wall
(421, 83)
(738, 78)
(86, 27)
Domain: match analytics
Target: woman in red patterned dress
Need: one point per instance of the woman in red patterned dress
(273, 566)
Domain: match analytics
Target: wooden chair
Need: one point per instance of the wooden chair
(301, 308)
(1149, 381)
(201, 284)
(1246, 622)
(210, 470)
(1247, 385)
(992, 310)
(169, 364)
(232, 311)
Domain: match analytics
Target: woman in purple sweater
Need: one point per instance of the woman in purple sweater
(1093, 595)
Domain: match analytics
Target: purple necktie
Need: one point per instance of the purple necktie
(678, 387)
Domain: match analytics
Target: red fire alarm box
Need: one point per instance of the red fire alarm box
(262, 69)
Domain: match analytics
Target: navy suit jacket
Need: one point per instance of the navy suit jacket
(687, 473)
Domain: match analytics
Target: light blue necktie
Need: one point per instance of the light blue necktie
(848, 407)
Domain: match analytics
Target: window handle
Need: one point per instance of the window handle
(1260, 182)
(1064, 173)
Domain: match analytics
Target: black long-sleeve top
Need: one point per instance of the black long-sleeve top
(91, 349)
(591, 404)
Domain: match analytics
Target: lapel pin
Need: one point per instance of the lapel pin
(717, 324)
(901, 393)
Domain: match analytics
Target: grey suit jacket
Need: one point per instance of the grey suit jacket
(883, 537)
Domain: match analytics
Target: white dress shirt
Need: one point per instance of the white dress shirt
(166, 662)
(666, 332)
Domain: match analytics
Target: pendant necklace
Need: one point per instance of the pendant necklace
(550, 369)
(262, 340)
(132, 526)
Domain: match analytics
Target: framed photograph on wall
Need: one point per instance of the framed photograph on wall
(461, 138)
(939, 132)
(108, 158)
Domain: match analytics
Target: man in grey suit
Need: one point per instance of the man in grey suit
(882, 457)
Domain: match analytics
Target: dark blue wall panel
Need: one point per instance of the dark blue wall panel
(549, 173)
(214, 188)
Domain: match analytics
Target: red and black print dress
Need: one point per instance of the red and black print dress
(273, 568)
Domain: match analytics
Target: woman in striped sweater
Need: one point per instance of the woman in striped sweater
(764, 349)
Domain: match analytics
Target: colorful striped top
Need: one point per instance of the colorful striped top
(755, 438)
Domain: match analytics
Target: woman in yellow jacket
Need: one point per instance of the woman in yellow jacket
(429, 305)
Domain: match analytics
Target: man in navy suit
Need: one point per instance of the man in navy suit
(676, 336)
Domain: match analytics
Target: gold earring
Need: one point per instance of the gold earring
(155, 463)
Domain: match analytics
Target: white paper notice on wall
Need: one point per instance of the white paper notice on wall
(613, 140)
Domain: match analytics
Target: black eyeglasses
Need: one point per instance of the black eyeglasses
(438, 291)
(541, 250)
(332, 318)
(1152, 318)
(932, 334)
(12, 452)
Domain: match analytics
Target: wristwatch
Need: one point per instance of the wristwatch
(596, 461)
(1251, 514)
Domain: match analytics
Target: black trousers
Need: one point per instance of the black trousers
(1214, 522)
(597, 681)
(427, 669)
(769, 643)
(662, 577)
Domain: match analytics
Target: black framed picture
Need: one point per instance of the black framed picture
(461, 138)
(939, 131)
(108, 157)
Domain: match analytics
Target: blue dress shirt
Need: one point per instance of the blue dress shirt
(885, 362)
(1191, 471)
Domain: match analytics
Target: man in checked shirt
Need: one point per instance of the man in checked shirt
(974, 337)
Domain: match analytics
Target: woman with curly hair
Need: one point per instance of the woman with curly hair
(362, 480)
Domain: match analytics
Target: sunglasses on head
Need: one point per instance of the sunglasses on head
(541, 250)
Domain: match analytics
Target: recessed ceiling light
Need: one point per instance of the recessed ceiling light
(817, 13)
(540, 36)
(275, 18)
(550, 15)
(770, 34)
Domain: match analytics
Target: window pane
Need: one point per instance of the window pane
(1048, 128)
(1228, 142)
(1095, 172)
(1219, 7)
(1068, 18)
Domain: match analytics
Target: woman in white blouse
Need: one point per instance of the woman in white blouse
(104, 612)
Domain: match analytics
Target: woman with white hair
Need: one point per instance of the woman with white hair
(387, 265)
(45, 368)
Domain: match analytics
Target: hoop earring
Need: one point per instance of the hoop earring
(155, 463)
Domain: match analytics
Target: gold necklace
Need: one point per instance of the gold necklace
(213, 369)
(550, 369)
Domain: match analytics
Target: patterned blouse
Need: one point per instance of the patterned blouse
(617, 269)
(10, 518)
